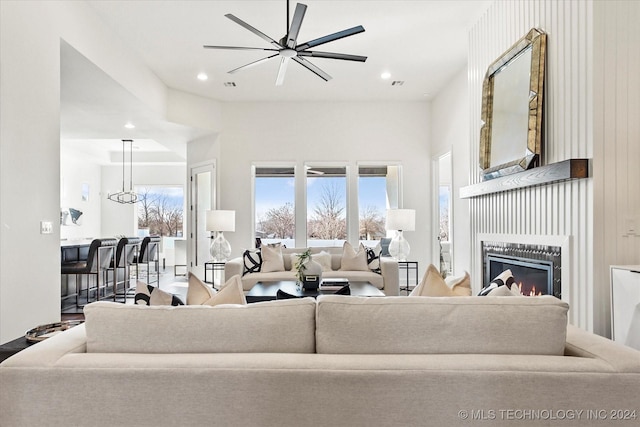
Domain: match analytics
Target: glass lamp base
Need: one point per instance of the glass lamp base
(399, 247)
(220, 248)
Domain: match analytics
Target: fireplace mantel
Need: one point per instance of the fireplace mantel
(555, 172)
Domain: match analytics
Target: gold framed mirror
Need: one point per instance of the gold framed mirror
(512, 92)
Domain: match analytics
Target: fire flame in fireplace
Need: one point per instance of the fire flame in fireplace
(532, 292)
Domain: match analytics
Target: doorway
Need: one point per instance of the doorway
(443, 214)
(202, 199)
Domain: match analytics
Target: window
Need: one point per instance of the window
(377, 192)
(444, 201)
(318, 213)
(275, 205)
(326, 206)
(160, 211)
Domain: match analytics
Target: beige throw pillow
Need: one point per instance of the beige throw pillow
(352, 260)
(230, 293)
(198, 291)
(324, 259)
(433, 285)
(272, 259)
(460, 286)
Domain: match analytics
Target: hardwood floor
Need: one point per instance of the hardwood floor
(168, 282)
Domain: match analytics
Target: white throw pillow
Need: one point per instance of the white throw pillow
(352, 260)
(230, 293)
(272, 259)
(198, 291)
(293, 257)
(324, 259)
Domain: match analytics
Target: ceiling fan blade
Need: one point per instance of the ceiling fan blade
(251, 64)
(253, 30)
(294, 29)
(238, 48)
(326, 77)
(330, 55)
(284, 62)
(331, 37)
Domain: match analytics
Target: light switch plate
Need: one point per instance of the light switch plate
(630, 224)
(46, 227)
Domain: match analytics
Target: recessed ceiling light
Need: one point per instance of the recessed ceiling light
(386, 75)
(129, 125)
(203, 77)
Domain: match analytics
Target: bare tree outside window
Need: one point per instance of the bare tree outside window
(372, 224)
(161, 210)
(328, 221)
(444, 201)
(274, 188)
(279, 222)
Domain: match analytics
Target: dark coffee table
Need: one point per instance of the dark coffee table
(266, 291)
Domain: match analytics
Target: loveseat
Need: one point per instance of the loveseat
(386, 279)
(337, 361)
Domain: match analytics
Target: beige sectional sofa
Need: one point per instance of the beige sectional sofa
(387, 280)
(337, 361)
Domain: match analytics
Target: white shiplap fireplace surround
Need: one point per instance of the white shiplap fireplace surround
(591, 73)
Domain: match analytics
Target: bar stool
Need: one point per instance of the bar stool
(126, 253)
(148, 256)
(99, 258)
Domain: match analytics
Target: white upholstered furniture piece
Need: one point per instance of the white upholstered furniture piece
(387, 280)
(337, 361)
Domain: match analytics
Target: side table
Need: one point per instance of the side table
(408, 267)
(213, 266)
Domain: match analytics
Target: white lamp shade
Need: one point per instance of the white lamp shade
(401, 219)
(220, 220)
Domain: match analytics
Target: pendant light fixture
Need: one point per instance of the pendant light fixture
(126, 197)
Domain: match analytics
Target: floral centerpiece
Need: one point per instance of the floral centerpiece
(308, 272)
(300, 264)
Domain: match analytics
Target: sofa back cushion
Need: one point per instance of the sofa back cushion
(444, 325)
(286, 326)
(335, 252)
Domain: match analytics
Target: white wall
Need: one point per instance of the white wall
(29, 163)
(30, 33)
(325, 132)
(73, 174)
(616, 141)
(449, 132)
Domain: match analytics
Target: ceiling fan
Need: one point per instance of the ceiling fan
(288, 48)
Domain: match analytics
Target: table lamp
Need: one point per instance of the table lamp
(400, 220)
(219, 221)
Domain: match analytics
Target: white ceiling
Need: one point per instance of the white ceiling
(422, 43)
